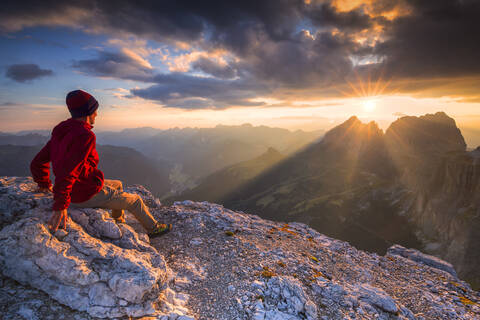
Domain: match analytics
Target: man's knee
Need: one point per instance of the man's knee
(114, 184)
(118, 185)
(134, 200)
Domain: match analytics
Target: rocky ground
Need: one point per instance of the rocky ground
(215, 264)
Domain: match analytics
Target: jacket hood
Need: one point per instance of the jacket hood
(64, 127)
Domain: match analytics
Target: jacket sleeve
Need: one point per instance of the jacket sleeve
(40, 167)
(71, 169)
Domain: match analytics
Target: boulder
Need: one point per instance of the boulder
(419, 257)
(95, 265)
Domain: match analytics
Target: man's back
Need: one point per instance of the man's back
(74, 158)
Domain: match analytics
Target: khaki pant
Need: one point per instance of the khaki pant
(112, 196)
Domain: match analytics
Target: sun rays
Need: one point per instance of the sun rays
(366, 87)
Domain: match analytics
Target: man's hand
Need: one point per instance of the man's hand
(45, 190)
(59, 218)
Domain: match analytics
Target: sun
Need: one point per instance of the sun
(369, 105)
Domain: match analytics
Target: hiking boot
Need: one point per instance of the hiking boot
(160, 230)
(118, 216)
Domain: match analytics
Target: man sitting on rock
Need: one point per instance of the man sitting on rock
(78, 181)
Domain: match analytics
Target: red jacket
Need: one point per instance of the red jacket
(71, 150)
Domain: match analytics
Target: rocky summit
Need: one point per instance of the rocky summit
(215, 264)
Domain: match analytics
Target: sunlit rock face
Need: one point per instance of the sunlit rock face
(222, 264)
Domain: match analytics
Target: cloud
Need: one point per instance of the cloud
(325, 15)
(122, 65)
(175, 20)
(289, 48)
(35, 108)
(16, 16)
(301, 61)
(138, 46)
(215, 69)
(119, 93)
(10, 104)
(26, 72)
(435, 40)
(193, 92)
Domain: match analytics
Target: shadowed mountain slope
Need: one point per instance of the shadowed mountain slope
(216, 186)
(198, 152)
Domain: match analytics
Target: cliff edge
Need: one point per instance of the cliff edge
(215, 264)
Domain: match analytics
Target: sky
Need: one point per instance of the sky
(293, 64)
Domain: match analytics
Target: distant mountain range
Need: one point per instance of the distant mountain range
(26, 139)
(220, 184)
(191, 153)
(197, 152)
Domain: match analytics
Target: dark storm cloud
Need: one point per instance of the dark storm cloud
(301, 61)
(439, 39)
(324, 15)
(114, 65)
(178, 20)
(185, 91)
(26, 72)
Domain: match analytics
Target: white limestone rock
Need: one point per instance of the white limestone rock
(284, 298)
(376, 297)
(94, 266)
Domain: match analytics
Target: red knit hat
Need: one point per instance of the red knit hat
(81, 104)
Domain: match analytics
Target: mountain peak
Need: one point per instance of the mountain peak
(272, 150)
(352, 119)
(440, 116)
(430, 133)
(352, 131)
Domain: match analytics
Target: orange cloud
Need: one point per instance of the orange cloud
(136, 57)
(374, 8)
(182, 62)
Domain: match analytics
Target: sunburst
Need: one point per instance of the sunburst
(369, 88)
